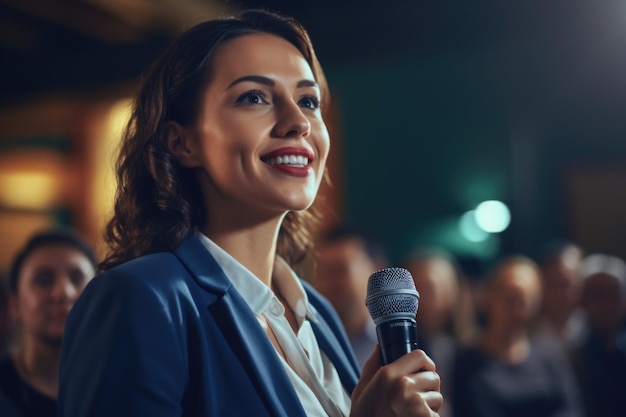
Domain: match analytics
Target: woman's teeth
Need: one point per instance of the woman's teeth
(288, 160)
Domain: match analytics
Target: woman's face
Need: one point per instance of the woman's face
(260, 141)
(50, 280)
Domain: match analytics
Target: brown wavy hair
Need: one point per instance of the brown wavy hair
(157, 202)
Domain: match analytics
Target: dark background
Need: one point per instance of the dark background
(438, 104)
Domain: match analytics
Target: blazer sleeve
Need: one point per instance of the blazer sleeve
(123, 352)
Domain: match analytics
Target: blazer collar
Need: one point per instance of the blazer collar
(247, 339)
(202, 266)
(241, 331)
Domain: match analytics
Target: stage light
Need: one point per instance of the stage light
(470, 230)
(28, 190)
(492, 216)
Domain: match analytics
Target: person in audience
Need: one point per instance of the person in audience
(600, 361)
(560, 316)
(444, 317)
(508, 373)
(345, 258)
(46, 277)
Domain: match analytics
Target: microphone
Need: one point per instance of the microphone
(392, 301)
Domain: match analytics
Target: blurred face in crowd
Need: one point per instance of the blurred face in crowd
(561, 283)
(603, 302)
(512, 300)
(49, 282)
(436, 281)
(343, 269)
(260, 141)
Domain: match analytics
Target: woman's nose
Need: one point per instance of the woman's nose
(292, 122)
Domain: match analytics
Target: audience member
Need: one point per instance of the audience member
(508, 373)
(560, 316)
(46, 278)
(444, 316)
(346, 257)
(600, 361)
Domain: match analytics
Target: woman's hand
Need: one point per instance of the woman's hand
(407, 387)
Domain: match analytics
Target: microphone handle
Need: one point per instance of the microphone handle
(396, 338)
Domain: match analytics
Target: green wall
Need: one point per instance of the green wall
(427, 139)
(424, 141)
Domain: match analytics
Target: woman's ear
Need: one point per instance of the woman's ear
(179, 142)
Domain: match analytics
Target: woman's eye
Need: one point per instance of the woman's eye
(252, 97)
(310, 102)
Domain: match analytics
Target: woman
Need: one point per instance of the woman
(46, 278)
(198, 311)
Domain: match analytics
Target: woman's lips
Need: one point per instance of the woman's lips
(290, 160)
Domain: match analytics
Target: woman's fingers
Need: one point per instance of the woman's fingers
(414, 362)
(407, 387)
(434, 399)
(415, 391)
(371, 366)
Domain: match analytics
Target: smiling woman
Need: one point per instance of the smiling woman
(198, 311)
(247, 119)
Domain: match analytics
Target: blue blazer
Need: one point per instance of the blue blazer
(167, 334)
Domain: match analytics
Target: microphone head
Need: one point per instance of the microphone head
(391, 295)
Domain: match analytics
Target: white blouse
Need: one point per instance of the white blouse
(312, 374)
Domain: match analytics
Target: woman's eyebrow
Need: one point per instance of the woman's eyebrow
(307, 83)
(269, 82)
(254, 78)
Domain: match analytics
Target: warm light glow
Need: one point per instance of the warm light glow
(103, 157)
(17, 227)
(28, 190)
(470, 229)
(118, 117)
(493, 216)
(31, 180)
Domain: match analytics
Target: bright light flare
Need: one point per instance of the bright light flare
(492, 216)
(470, 229)
(28, 190)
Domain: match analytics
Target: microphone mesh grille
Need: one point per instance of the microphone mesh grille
(391, 292)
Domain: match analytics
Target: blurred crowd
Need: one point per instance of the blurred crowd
(541, 336)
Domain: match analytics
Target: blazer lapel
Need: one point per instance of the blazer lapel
(332, 339)
(242, 332)
(336, 353)
(257, 355)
